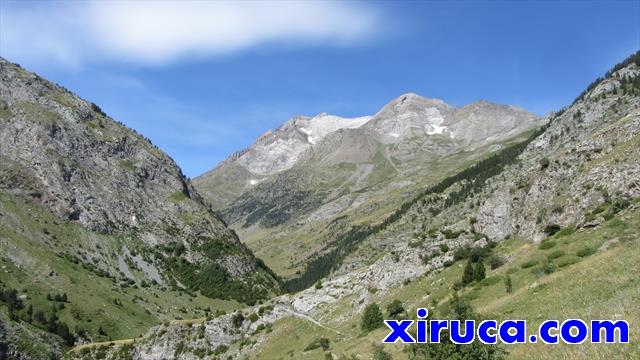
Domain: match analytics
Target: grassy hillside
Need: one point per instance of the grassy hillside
(588, 274)
(43, 256)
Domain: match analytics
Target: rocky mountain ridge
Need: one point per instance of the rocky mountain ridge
(406, 117)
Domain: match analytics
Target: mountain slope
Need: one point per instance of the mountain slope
(82, 195)
(350, 171)
(557, 215)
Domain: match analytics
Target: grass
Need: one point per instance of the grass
(128, 165)
(31, 238)
(603, 285)
(178, 197)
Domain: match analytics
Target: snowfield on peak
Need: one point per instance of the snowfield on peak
(319, 126)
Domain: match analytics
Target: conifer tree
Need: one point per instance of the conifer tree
(479, 272)
(469, 274)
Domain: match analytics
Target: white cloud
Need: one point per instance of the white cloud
(159, 32)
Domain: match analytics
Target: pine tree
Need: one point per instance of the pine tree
(372, 318)
(479, 272)
(469, 274)
(508, 285)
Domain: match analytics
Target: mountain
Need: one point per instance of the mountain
(549, 224)
(84, 197)
(320, 175)
(408, 116)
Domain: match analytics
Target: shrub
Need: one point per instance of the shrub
(556, 254)
(97, 109)
(237, 319)
(372, 318)
(544, 163)
(489, 281)
(495, 261)
(179, 349)
(547, 244)
(221, 349)
(586, 251)
(479, 273)
(468, 274)
(508, 284)
(395, 308)
(444, 248)
(318, 343)
(551, 229)
(253, 317)
(461, 253)
(480, 253)
(566, 231)
(547, 267)
(568, 261)
(380, 354)
(530, 263)
(446, 349)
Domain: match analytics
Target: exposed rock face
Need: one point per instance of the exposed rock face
(355, 140)
(410, 115)
(95, 172)
(278, 150)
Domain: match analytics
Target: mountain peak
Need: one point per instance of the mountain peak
(411, 99)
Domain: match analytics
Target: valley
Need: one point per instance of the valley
(298, 236)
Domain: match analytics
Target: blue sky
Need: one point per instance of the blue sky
(203, 79)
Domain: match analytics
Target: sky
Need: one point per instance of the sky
(204, 79)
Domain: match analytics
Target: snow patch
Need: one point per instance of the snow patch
(435, 129)
(321, 125)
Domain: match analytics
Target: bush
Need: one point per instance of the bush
(495, 261)
(479, 273)
(444, 248)
(468, 274)
(237, 319)
(448, 350)
(546, 268)
(490, 281)
(508, 284)
(380, 354)
(394, 309)
(530, 263)
(547, 244)
(551, 229)
(318, 343)
(586, 251)
(221, 349)
(372, 318)
(544, 163)
(568, 261)
(566, 231)
(556, 254)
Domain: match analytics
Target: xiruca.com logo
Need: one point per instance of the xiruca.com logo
(570, 331)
